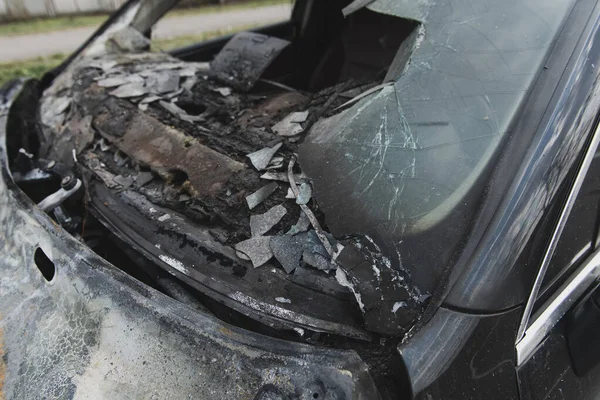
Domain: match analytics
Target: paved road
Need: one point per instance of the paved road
(30, 46)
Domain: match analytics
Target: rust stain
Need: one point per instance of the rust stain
(168, 151)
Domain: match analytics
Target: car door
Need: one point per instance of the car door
(558, 350)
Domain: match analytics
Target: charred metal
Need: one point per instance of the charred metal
(189, 169)
(198, 159)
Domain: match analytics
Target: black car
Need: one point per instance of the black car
(375, 199)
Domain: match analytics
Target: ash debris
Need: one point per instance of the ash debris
(222, 154)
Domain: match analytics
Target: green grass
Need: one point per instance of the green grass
(43, 25)
(31, 68)
(35, 68)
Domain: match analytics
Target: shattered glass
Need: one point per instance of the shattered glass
(260, 195)
(261, 158)
(413, 156)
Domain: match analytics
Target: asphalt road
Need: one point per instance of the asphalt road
(15, 48)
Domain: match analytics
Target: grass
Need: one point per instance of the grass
(36, 67)
(32, 68)
(43, 25)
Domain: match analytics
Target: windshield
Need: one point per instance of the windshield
(408, 165)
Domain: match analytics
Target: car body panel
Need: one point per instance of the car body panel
(499, 274)
(549, 375)
(95, 332)
(462, 356)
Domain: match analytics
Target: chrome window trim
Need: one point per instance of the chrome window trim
(558, 305)
(530, 336)
(584, 254)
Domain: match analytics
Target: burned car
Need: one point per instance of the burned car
(373, 199)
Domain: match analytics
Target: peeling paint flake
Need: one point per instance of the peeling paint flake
(260, 159)
(257, 249)
(261, 224)
(119, 80)
(163, 82)
(260, 195)
(289, 250)
(290, 125)
(282, 176)
(134, 89)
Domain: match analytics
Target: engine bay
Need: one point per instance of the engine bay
(172, 168)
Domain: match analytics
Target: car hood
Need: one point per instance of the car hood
(92, 329)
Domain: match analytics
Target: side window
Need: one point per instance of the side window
(579, 237)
